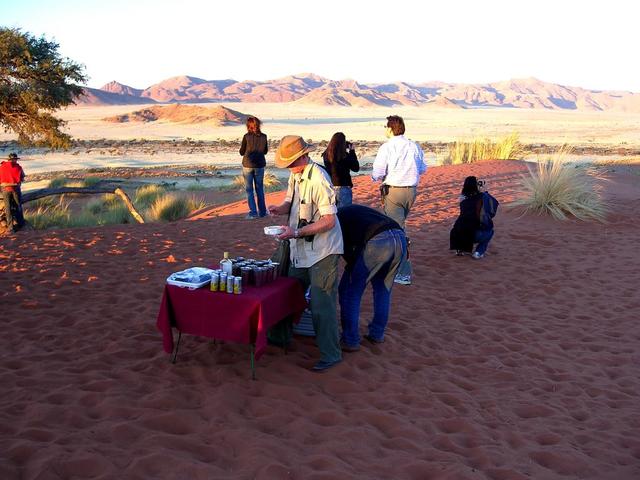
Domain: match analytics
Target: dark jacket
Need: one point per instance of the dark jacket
(360, 224)
(476, 213)
(254, 147)
(339, 171)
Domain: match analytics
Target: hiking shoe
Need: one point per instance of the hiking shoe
(374, 341)
(477, 255)
(251, 217)
(349, 348)
(403, 279)
(323, 365)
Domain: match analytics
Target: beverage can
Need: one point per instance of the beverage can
(215, 282)
(223, 282)
(237, 285)
(230, 280)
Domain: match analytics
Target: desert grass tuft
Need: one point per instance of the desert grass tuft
(49, 216)
(147, 195)
(559, 189)
(195, 187)
(478, 149)
(172, 207)
(58, 182)
(270, 182)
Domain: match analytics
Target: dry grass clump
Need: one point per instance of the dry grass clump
(171, 207)
(478, 149)
(561, 190)
(45, 215)
(48, 215)
(147, 195)
(270, 182)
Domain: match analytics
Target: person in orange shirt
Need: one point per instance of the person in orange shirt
(11, 177)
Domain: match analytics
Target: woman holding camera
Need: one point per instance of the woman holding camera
(474, 224)
(339, 160)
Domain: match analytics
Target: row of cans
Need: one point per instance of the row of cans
(223, 282)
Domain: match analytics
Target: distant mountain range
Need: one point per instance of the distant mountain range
(311, 89)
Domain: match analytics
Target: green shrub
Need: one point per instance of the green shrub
(560, 189)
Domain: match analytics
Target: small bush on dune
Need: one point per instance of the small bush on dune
(484, 149)
(171, 207)
(561, 190)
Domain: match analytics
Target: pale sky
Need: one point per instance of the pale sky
(139, 43)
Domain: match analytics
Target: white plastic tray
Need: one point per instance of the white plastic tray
(191, 286)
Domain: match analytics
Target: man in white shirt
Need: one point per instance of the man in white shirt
(399, 164)
(315, 239)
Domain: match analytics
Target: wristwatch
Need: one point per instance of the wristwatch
(296, 233)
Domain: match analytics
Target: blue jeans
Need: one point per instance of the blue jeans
(344, 196)
(254, 176)
(378, 264)
(483, 237)
(397, 205)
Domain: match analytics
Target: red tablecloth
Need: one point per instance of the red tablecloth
(243, 318)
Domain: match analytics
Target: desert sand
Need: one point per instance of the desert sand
(522, 365)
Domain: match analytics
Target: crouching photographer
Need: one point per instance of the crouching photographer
(474, 225)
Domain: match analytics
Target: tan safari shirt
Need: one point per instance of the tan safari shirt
(313, 196)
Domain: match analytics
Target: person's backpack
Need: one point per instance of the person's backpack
(488, 211)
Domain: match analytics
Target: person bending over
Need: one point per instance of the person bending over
(374, 248)
(474, 224)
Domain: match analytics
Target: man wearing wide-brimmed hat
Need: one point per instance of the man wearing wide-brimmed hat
(316, 241)
(11, 176)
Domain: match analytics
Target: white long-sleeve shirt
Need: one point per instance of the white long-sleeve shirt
(399, 162)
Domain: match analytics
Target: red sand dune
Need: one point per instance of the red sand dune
(523, 365)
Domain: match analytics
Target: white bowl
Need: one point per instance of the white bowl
(273, 230)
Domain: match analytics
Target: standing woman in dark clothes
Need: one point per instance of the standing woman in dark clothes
(340, 158)
(253, 149)
(474, 224)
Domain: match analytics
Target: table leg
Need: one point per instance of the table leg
(175, 352)
(253, 361)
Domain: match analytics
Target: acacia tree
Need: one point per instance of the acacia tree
(34, 82)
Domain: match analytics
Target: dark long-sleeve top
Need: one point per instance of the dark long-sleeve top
(253, 149)
(360, 224)
(339, 170)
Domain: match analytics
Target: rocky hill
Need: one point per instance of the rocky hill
(312, 89)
